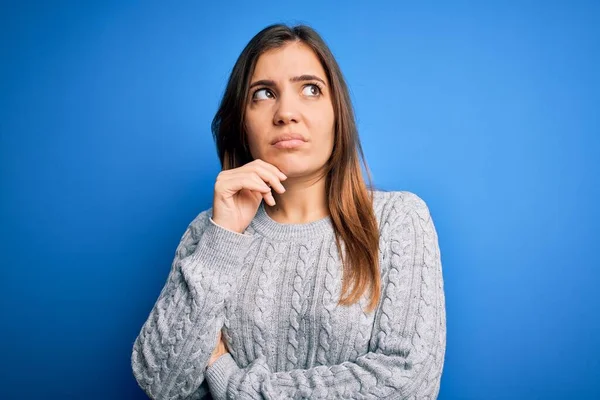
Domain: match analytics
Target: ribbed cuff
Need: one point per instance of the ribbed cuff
(221, 248)
(218, 374)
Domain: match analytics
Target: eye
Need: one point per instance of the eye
(311, 90)
(262, 94)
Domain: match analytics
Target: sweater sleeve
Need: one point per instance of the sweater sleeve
(407, 344)
(174, 345)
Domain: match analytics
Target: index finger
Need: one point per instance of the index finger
(273, 168)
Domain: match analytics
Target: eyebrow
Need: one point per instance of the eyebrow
(301, 78)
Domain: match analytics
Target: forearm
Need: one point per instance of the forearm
(373, 376)
(407, 343)
(171, 352)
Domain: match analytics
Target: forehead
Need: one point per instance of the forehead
(292, 59)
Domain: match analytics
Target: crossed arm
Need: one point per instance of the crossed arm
(407, 347)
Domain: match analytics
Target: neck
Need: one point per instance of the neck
(304, 201)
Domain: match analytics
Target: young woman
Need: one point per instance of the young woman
(300, 282)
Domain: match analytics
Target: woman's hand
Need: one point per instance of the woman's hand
(219, 350)
(239, 191)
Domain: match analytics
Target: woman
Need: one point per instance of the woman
(267, 295)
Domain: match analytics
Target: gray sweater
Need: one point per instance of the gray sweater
(273, 292)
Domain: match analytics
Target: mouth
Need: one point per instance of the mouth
(289, 144)
(288, 141)
(288, 136)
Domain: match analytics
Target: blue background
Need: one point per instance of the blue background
(488, 111)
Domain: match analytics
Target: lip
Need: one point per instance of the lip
(289, 144)
(288, 137)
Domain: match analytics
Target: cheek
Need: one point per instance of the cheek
(322, 129)
(253, 144)
(325, 124)
(253, 128)
(329, 116)
(259, 117)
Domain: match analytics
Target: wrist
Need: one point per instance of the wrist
(225, 226)
(214, 359)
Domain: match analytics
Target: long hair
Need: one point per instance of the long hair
(350, 202)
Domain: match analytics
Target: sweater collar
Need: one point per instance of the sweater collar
(267, 226)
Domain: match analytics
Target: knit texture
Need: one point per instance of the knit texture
(273, 292)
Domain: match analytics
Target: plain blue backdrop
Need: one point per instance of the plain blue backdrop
(486, 110)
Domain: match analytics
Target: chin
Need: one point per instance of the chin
(295, 165)
(297, 168)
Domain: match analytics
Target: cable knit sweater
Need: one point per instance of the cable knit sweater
(273, 293)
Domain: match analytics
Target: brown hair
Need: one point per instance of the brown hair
(349, 200)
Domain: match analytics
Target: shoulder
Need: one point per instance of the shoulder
(193, 232)
(200, 222)
(408, 233)
(394, 206)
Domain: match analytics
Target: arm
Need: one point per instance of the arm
(173, 347)
(408, 340)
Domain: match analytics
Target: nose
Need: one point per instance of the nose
(286, 110)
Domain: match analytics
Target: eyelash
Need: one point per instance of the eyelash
(318, 85)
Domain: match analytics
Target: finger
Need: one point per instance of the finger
(234, 184)
(268, 196)
(262, 175)
(271, 168)
(270, 177)
(269, 199)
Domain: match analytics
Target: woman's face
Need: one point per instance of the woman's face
(290, 98)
